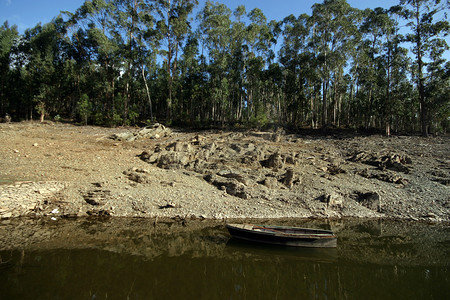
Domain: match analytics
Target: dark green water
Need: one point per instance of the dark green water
(136, 259)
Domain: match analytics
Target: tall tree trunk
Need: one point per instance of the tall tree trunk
(423, 106)
(311, 103)
(324, 105)
(369, 112)
(148, 94)
(388, 94)
(126, 101)
(169, 68)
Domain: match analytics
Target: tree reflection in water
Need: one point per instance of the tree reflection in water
(136, 259)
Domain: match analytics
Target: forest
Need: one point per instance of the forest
(135, 62)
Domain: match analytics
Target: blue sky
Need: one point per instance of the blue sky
(27, 13)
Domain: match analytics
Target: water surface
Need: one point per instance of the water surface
(141, 259)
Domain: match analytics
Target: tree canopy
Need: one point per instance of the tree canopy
(125, 62)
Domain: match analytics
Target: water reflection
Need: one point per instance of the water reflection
(243, 249)
(138, 259)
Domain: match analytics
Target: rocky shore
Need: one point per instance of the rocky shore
(60, 170)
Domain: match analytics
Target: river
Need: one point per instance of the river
(163, 259)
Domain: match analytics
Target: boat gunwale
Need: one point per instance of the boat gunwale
(326, 235)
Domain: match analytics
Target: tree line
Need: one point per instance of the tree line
(126, 62)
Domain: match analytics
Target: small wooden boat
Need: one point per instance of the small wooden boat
(284, 235)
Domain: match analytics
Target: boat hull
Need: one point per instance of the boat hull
(274, 235)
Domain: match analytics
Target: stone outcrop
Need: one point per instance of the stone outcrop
(215, 160)
(155, 131)
(371, 200)
(391, 161)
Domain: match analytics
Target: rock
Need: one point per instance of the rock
(444, 181)
(250, 147)
(172, 160)
(150, 157)
(140, 170)
(289, 178)
(239, 177)
(371, 200)
(383, 176)
(236, 189)
(211, 147)
(124, 136)
(243, 148)
(430, 215)
(7, 118)
(395, 162)
(264, 135)
(276, 137)
(92, 201)
(392, 178)
(152, 131)
(6, 215)
(231, 186)
(391, 161)
(96, 197)
(236, 147)
(333, 200)
(271, 182)
(198, 140)
(99, 213)
(169, 205)
(274, 162)
(179, 147)
(149, 132)
(291, 159)
(136, 177)
(334, 169)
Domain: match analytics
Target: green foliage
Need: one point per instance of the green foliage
(133, 115)
(98, 118)
(116, 119)
(427, 38)
(124, 62)
(84, 107)
(259, 120)
(41, 109)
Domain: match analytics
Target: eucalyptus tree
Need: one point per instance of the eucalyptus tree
(295, 58)
(258, 39)
(147, 42)
(373, 71)
(333, 37)
(8, 38)
(193, 83)
(397, 66)
(437, 87)
(93, 28)
(426, 34)
(274, 81)
(238, 49)
(273, 76)
(127, 31)
(46, 52)
(173, 26)
(215, 31)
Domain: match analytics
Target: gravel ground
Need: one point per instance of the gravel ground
(62, 170)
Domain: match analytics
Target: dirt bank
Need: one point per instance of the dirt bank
(57, 170)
